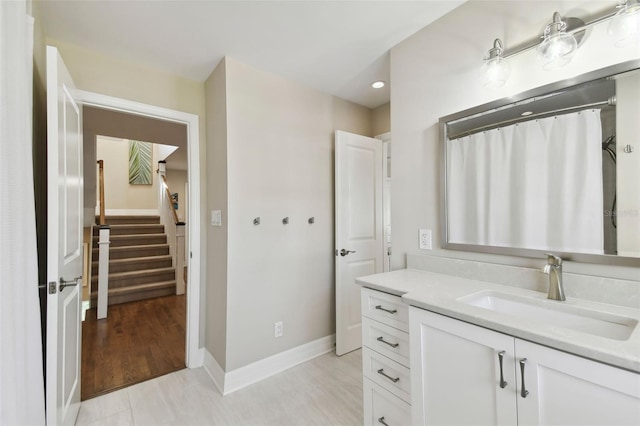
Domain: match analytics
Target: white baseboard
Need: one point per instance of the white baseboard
(260, 370)
(129, 212)
(214, 370)
(196, 358)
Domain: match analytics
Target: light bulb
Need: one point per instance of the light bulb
(496, 72)
(496, 68)
(558, 47)
(624, 27)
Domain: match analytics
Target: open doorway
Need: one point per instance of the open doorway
(147, 331)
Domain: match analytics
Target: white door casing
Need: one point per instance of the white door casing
(64, 244)
(359, 229)
(194, 353)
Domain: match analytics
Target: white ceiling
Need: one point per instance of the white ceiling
(337, 47)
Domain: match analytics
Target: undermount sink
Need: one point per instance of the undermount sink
(555, 313)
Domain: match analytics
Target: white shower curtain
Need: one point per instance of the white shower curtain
(536, 184)
(21, 381)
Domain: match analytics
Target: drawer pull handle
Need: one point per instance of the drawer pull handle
(393, 345)
(393, 379)
(381, 420)
(391, 311)
(503, 382)
(523, 392)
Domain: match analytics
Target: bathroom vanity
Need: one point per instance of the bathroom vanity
(483, 353)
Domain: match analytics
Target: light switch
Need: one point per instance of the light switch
(216, 218)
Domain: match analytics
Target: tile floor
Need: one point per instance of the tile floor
(324, 391)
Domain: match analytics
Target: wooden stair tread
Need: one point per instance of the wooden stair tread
(141, 272)
(124, 219)
(132, 229)
(131, 236)
(140, 259)
(138, 287)
(136, 247)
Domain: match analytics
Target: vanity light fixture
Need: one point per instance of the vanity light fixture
(496, 68)
(558, 46)
(378, 84)
(561, 39)
(624, 27)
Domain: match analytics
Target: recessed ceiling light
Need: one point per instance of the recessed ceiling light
(524, 114)
(378, 84)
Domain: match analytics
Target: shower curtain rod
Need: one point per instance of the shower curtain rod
(611, 102)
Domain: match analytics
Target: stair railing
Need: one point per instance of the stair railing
(104, 240)
(174, 227)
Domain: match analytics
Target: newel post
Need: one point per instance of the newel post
(180, 258)
(103, 270)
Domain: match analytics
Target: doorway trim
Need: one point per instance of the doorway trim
(194, 355)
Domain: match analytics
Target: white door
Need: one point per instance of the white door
(359, 233)
(64, 246)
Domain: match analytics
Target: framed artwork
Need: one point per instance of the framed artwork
(140, 157)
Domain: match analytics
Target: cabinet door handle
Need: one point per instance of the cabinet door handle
(381, 420)
(503, 382)
(523, 392)
(393, 379)
(393, 345)
(380, 308)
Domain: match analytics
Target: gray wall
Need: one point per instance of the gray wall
(279, 162)
(436, 72)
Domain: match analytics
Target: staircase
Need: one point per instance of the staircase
(140, 266)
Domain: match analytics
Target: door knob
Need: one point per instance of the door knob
(344, 252)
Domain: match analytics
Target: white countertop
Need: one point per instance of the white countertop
(440, 293)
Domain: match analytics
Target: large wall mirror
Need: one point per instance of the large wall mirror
(555, 169)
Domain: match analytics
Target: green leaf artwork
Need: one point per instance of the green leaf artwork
(139, 163)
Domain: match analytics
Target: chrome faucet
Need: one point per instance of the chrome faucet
(553, 268)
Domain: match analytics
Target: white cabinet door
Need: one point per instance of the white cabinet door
(567, 390)
(458, 375)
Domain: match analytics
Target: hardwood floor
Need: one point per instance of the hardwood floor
(136, 342)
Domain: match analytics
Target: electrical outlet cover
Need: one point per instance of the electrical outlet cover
(278, 329)
(425, 239)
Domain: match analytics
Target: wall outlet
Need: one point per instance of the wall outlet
(425, 239)
(216, 218)
(278, 329)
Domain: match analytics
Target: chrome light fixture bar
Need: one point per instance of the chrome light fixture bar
(561, 38)
(577, 31)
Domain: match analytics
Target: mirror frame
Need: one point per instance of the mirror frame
(608, 259)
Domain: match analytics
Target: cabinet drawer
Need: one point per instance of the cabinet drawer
(385, 308)
(388, 341)
(383, 408)
(387, 373)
